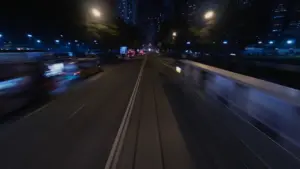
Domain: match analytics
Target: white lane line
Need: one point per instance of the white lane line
(166, 64)
(95, 77)
(114, 154)
(36, 111)
(76, 111)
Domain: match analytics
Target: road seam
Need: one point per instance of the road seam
(115, 152)
(36, 111)
(158, 125)
(76, 111)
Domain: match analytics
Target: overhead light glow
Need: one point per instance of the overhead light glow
(96, 12)
(289, 42)
(209, 15)
(178, 69)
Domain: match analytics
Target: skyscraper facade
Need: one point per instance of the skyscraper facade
(244, 3)
(279, 18)
(127, 11)
(293, 26)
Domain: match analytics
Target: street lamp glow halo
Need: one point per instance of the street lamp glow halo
(96, 12)
(174, 34)
(209, 15)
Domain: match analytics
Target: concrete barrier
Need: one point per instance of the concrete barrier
(271, 108)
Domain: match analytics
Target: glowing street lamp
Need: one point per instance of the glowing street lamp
(174, 34)
(29, 35)
(38, 41)
(209, 15)
(95, 12)
(57, 41)
(289, 42)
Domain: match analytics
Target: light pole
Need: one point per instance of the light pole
(209, 15)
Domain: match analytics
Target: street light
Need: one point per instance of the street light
(38, 41)
(95, 12)
(174, 34)
(289, 42)
(271, 42)
(225, 42)
(259, 42)
(56, 41)
(29, 35)
(1, 35)
(209, 15)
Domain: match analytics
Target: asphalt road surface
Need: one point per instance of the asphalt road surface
(132, 116)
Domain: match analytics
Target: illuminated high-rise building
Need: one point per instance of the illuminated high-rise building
(127, 10)
(293, 26)
(244, 3)
(279, 18)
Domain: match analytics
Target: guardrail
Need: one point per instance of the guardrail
(272, 108)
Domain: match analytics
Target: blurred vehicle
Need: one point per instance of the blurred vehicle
(141, 52)
(84, 65)
(21, 83)
(55, 66)
(131, 53)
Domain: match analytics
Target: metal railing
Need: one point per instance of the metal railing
(268, 114)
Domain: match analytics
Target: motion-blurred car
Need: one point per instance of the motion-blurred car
(83, 65)
(21, 84)
(141, 52)
(131, 53)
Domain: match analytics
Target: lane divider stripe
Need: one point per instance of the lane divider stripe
(115, 152)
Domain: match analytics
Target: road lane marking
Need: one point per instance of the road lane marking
(114, 154)
(165, 64)
(36, 111)
(76, 111)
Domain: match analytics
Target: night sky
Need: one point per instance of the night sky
(44, 17)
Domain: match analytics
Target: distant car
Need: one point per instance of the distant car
(131, 53)
(141, 52)
(82, 66)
